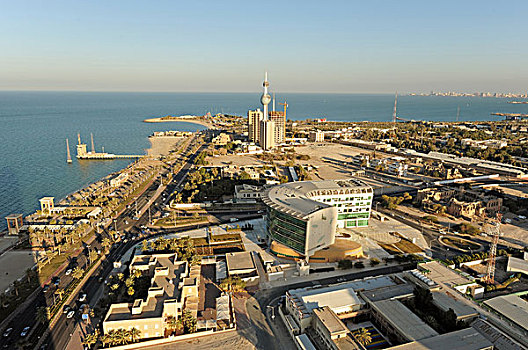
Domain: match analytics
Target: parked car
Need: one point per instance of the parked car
(66, 309)
(82, 297)
(70, 314)
(45, 288)
(8, 332)
(56, 280)
(25, 331)
(68, 272)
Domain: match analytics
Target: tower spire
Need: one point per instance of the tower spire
(273, 102)
(93, 147)
(265, 99)
(79, 138)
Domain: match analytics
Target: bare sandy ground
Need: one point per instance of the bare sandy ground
(13, 265)
(161, 146)
(330, 158)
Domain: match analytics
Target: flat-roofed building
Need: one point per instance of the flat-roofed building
(462, 311)
(465, 339)
(302, 342)
(247, 192)
(164, 297)
(401, 323)
(304, 215)
(513, 308)
(240, 264)
(331, 330)
(342, 299)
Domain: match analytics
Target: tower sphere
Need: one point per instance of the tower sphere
(265, 99)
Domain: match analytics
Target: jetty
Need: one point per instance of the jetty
(83, 154)
(511, 116)
(68, 159)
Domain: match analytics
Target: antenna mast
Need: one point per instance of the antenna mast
(494, 231)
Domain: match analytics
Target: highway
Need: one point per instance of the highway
(59, 336)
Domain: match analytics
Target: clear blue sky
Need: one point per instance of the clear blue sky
(306, 46)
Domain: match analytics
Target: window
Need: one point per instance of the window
(156, 326)
(145, 327)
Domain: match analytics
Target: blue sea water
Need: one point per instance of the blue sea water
(34, 126)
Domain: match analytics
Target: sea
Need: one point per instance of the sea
(34, 127)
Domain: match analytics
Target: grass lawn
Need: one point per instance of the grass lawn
(229, 237)
(50, 268)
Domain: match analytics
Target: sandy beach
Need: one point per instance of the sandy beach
(162, 145)
(176, 119)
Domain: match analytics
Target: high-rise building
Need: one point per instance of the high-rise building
(280, 126)
(254, 119)
(267, 134)
(266, 128)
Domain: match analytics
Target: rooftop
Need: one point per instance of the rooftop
(295, 197)
(442, 274)
(335, 297)
(239, 261)
(403, 319)
(512, 307)
(445, 302)
(465, 339)
(330, 320)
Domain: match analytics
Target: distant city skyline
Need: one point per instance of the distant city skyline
(338, 46)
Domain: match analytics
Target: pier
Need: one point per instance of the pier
(83, 154)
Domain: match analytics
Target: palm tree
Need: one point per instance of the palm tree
(129, 282)
(131, 291)
(60, 293)
(91, 339)
(172, 324)
(134, 334)
(92, 256)
(121, 336)
(363, 336)
(106, 339)
(106, 243)
(136, 274)
(43, 314)
(78, 273)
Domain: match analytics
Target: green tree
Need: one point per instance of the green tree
(91, 339)
(189, 322)
(43, 314)
(78, 273)
(363, 336)
(134, 334)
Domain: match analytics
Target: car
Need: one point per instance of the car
(82, 297)
(25, 331)
(7, 332)
(56, 280)
(66, 309)
(70, 314)
(45, 288)
(68, 272)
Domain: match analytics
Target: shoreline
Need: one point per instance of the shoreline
(176, 119)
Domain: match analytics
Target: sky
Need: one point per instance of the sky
(225, 46)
